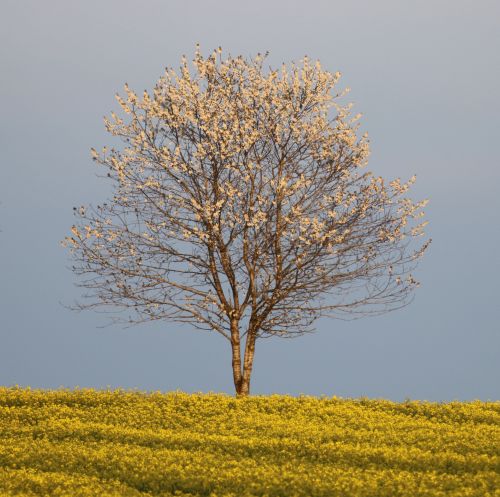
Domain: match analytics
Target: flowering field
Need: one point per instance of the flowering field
(121, 443)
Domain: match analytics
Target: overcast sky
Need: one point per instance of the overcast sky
(425, 75)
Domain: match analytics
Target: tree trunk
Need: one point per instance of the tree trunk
(244, 388)
(248, 363)
(242, 376)
(236, 353)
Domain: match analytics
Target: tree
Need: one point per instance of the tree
(240, 205)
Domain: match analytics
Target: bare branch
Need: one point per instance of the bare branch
(240, 206)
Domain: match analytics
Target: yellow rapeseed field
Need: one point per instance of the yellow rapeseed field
(121, 443)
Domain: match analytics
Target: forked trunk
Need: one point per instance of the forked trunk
(243, 388)
(242, 375)
(242, 383)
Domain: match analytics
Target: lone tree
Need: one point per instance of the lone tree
(240, 205)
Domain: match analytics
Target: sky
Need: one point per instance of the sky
(425, 75)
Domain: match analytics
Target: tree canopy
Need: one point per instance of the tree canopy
(241, 205)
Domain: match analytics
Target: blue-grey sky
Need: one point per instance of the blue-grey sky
(425, 75)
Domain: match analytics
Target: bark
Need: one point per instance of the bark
(248, 364)
(236, 359)
(242, 372)
(242, 375)
(244, 388)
